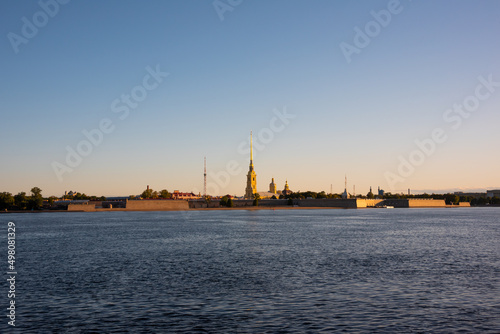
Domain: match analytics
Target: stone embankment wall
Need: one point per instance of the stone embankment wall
(135, 205)
(327, 203)
(238, 203)
(352, 203)
(368, 203)
(427, 203)
(81, 207)
(156, 205)
(415, 203)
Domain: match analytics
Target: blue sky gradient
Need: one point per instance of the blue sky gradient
(228, 77)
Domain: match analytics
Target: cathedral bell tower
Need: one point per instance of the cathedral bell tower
(251, 188)
(272, 187)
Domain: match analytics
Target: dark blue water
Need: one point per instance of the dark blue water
(296, 271)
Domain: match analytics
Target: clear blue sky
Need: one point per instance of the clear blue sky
(228, 77)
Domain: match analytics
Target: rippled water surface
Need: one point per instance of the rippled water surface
(283, 271)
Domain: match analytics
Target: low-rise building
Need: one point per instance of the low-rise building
(179, 195)
(493, 193)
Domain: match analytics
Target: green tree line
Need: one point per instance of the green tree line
(21, 201)
(150, 194)
(34, 201)
(449, 198)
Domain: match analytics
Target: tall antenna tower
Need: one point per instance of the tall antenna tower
(205, 179)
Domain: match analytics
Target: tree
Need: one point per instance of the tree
(274, 197)
(256, 198)
(35, 201)
(6, 200)
(36, 192)
(20, 200)
(226, 201)
(148, 193)
(223, 201)
(452, 199)
(51, 200)
(370, 195)
(208, 199)
(80, 197)
(495, 200)
(165, 194)
(481, 201)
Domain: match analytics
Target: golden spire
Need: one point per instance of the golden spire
(251, 188)
(251, 149)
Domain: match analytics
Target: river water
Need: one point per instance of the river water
(283, 271)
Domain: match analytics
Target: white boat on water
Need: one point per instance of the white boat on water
(389, 207)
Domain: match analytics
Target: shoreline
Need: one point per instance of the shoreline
(174, 210)
(237, 208)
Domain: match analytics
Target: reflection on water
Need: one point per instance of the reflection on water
(370, 270)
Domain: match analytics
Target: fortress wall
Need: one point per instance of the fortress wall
(262, 202)
(203, 204)
(423, 202)
(238, 203)
(273, 202)
(327, 203)
(416, 203)
(368, 203)
(113, 204)
(397, 203)
(361, 203)
(156, 205)
(245, 202)
(81, 207)
(168, 205)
